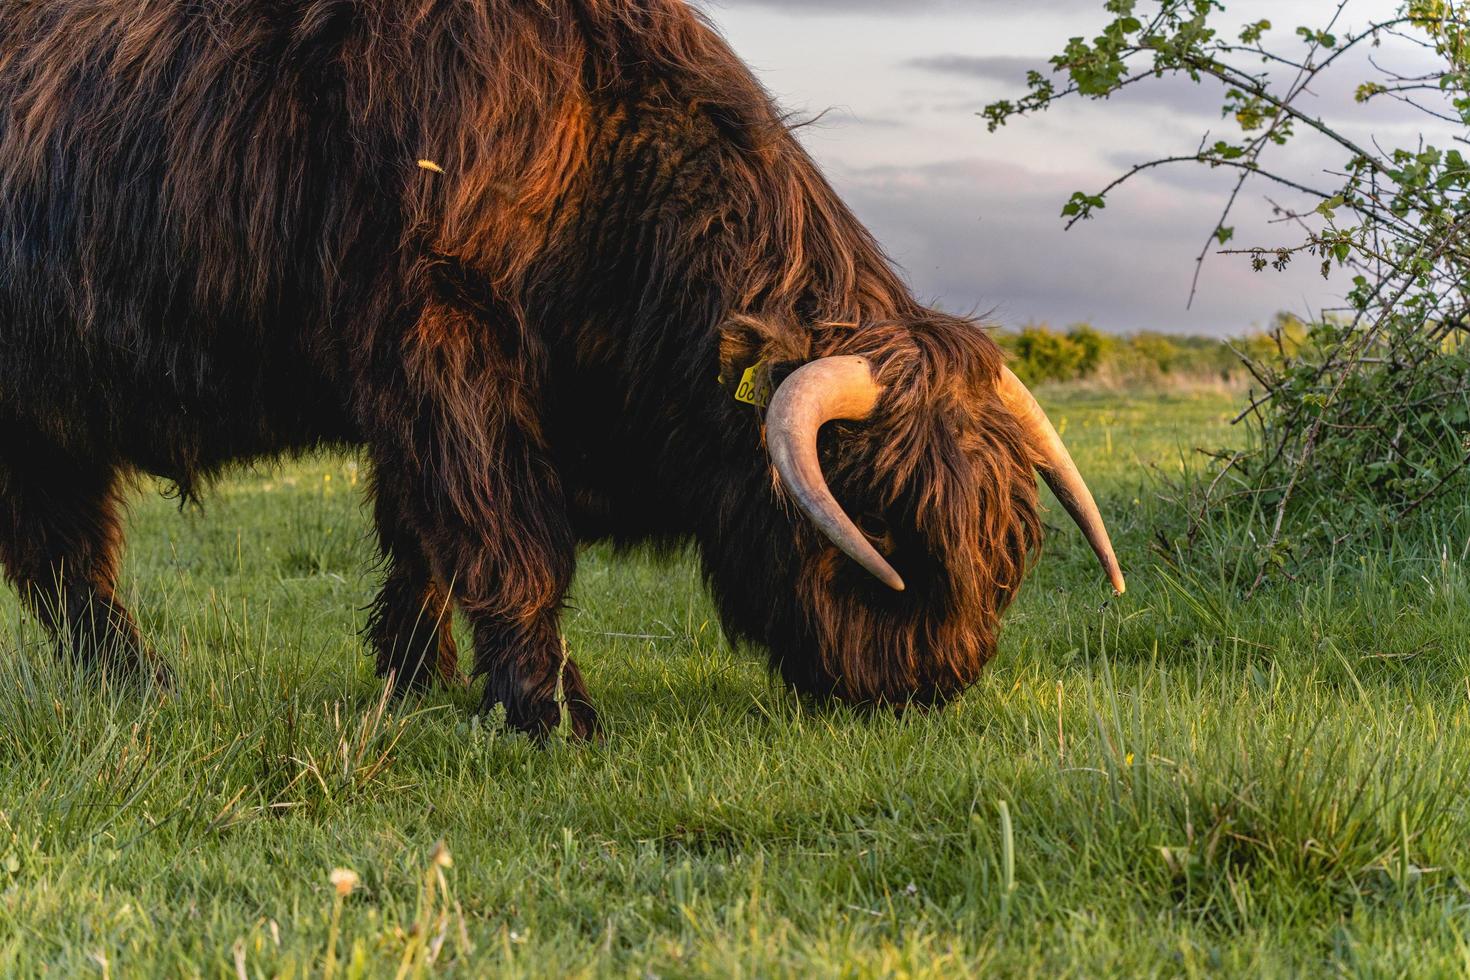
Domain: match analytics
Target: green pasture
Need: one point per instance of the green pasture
(1174, 783)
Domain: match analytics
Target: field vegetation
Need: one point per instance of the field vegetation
(1041, 354)
(1176, 782)
(1255, 763)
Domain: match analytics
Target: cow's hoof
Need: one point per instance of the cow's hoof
(159, 674)
(580, 722)
(147, 673)
(131, 663)
(574, 720)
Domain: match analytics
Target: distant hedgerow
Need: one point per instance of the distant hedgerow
(1039, 354)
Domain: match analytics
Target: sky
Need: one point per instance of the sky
(972, 217)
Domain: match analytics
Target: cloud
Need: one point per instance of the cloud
(834, 6)
(1001, 68)
(902, 8)
(1174, 92)
(973, 216)
(981, 234)
(1331, 96)
(842, 6)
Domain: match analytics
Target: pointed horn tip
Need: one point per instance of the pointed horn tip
(1060, 472)
(1113, 571)
(891, 579)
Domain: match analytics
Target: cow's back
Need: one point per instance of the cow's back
(215, 214)
(180, 199)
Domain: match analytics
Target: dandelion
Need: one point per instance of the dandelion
(344, 880)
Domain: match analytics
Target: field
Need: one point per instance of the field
(1177, 783)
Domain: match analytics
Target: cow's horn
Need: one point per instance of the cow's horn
(815, 394)
(1060, 472)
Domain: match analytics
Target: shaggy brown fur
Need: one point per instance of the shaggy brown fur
(216, 244)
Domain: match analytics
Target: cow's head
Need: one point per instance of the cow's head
(906, 461)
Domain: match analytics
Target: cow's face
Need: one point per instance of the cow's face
(911, 516)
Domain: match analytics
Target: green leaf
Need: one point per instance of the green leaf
(1252, 33)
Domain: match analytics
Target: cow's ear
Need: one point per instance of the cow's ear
(746, 341)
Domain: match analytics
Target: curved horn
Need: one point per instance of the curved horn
(1060, 472)
(815, 394)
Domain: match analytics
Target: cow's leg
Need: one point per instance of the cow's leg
(509, 569)
(460, 462)
(411, 626)
(59, 543)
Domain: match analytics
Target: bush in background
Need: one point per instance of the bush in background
(1369, 420)
(1040, 355)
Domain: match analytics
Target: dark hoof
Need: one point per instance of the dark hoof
(402, 687)
(408, 676)
(143, 673)
(159, 674)
(580, 722)
(576, 720)
(123, 659)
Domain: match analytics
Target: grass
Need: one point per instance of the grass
(1176, 783)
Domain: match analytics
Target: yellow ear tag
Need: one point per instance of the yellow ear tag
(755, 386)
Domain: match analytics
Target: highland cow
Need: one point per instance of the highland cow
(539, 260)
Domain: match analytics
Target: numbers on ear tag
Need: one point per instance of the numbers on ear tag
(755, 387)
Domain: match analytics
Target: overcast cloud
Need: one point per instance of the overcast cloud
(903, 8)
(972, 217)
